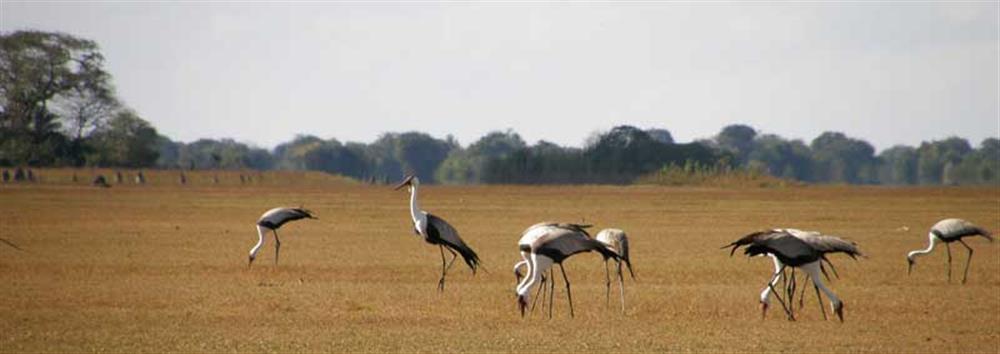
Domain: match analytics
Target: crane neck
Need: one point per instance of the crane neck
(536, 267)
(415, 211)
(932, 240)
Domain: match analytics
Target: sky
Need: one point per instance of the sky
(263, 72)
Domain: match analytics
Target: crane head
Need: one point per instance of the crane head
(409, 180)
(522, 303)
(839, 310)
(763, 310)
(909, 265)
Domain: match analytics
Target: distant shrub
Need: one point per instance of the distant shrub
(695, 174)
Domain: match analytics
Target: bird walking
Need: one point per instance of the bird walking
(545, 244)
(271, 221)
(797, 249)
(616, 240)
(948, 231)
(438, 232)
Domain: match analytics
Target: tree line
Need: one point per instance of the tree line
(58, 107)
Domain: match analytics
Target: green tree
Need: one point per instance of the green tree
(127, 140)
(40, 70)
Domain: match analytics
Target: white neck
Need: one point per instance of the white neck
(260, 241)
(933, 242)
(536, 267)
(525, 279)
(415, 211)
(765, 294)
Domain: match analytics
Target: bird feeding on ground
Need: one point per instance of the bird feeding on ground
(616, 240)
(804, 251)
(271, 221)
(438, 232)
(551, 243)
(948, 231)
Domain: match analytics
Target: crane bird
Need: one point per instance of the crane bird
(616, 240)
(948, 231)
(438, 232)
(271, 221)
(548, 243)
(804, 250)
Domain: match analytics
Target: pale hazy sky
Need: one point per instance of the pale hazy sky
(890, 73)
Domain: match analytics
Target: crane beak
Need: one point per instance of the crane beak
(250, 263)
(404, 182)
(522, 304)
(763, 310)
(839, 310)
(909, 266)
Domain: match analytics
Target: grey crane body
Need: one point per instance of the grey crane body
(797, 249)
(617, 240)
(948, 231)
(437, 231)
(271, 221)
(546, 244)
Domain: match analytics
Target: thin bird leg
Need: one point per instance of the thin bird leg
(569, 293)
(277, 246)
(802, 294)
(947, 247)
(832, 268)
(443, 269)
(967, 261)
(539, 293)
(775, 292)
(453, 256)
(552, 291)
(607, 284)
(621, 285)
(819, 300)
(790, 290)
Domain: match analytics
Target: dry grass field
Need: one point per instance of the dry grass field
(162, 268)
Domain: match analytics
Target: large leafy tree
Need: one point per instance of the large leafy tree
(47, 79)
(127, 140)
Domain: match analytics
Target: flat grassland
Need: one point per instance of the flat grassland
(162, 267)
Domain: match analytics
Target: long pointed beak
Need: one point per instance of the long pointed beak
(840, 312)
(404, 182)
(250, 263)
(522, 304)
(909, 266)
(763, 310)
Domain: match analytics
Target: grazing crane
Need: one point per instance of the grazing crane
(804, 251)
(548, 243)
(438, 232)
(616, 240)
(272, 220)
(948, 231)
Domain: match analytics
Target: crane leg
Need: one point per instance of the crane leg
(775, 292)
(819, 300)
(539, 293)
(277, 246)
(967, 261)
(802, 294)
(948, 248)
(607, 284)
(443, 269)
(621, 285)
(453, 257)
(569, 293)
(552, 291)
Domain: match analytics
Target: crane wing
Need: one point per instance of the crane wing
(442, 230)
(777, 242)
(827, 244)
(276, 217)
(949, 229)
(559, 243)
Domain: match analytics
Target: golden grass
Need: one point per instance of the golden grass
(163, 268)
